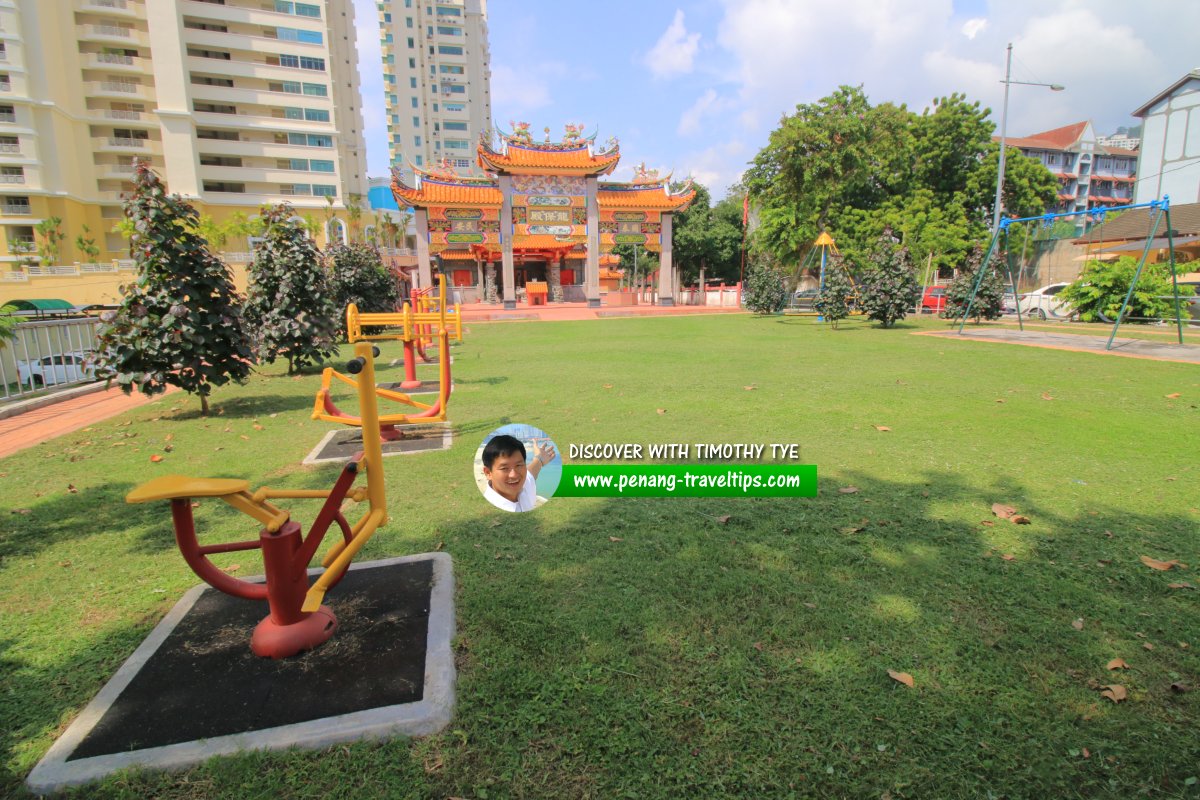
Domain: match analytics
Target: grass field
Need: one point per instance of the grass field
(644, 648)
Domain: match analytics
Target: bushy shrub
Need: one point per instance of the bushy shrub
(766, 289)
(1101, 288)
(989, 300)
(833, 301)
(890, 288)
(358, 276)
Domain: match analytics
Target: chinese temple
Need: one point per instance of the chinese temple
(541, 214)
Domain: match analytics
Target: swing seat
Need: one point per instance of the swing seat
(178, 487)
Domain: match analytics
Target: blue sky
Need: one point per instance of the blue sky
(696, 87)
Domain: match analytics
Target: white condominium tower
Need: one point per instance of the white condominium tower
(437, 80)
(235, 103)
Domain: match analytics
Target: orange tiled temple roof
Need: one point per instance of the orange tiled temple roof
(530, 158)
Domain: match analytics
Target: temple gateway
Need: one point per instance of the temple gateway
(543, 214)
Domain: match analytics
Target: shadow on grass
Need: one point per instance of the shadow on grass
(646, 647)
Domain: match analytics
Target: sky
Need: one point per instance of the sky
(695, 87)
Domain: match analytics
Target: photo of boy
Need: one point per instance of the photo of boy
(510, 472)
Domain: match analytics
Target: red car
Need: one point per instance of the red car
(934, 299)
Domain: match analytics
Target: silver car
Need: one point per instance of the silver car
(1044, 303)
(56, 369)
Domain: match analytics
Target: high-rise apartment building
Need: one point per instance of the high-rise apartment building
(235, 103)
(437, 80)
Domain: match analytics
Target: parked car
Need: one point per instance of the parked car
(1193, 302)
(1044, 303)
(56, 369)
(1008, 303)
(803, 299)
(934, 299)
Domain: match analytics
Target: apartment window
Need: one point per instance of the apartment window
(389, 78)
(207, 160)
(452, 69)
(8, 113)
(435, 106)
(455, 107)
(454, 88)
(411, 45)
(131, 136)
(420, 161)
(408, 3)
(12, 174)
(316, 115)
(408, 23)
(10, 144)
(462, 162)
(219, 55)
(197, 25)
(295, 189)
(417, 141)
(317, 165)
(298, 35)
(225, 136)
(447, 30)
(214, 108)
(313, 63)
(299, 9)
(20, 237)
(457, 144)
(412, 83)
(305, 139)
(417, 122)
(224, 186)
(321, 190)
(455, 126)
(290, 87)
(204, 80)
(316, 90)
(412, 63)
(5, 82)
(450, 50)
(1053, 159)
(387, 17)
(449, 11)
(414, 101)
(297, 164)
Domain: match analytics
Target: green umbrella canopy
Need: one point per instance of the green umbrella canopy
(39, 305)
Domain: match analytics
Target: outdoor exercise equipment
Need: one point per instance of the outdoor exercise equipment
(822, 248)
(325, 409)
(297, 620)
(1160, 211)
(418, 323)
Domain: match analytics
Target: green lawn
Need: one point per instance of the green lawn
(693, 658)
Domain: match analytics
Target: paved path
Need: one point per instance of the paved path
(56, 419)
(1083, 343)
(486, 312)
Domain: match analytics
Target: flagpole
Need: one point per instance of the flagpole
(742, 271)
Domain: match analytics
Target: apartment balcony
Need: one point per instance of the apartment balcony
(113, 35)
(120, 90)
(124, 144)
(242, 42)
(267, 149)
(261, 122)
(241, 14)
(255, 69)
(115, 62)
(115, 172)
(270, 176)
(15, 209)
(258, 97)
(123, 119)
(112, 8)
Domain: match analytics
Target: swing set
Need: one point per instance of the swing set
(1160, 213)
(825, 247)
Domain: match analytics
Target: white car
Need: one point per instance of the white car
(56, 369)
(1044, 303)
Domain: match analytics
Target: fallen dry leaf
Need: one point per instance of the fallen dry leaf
(1161, 566)
(1002, 511)
(1008, 557)
(1147, 646)
(661, 410)
(749, 388)
(987, 523)
(1117, 663)
(22, 511)
(71, 488)
(156, 458)
(724, 519)
(1047, 396)
(615, 539)
(810, 605)
(258, 427)
(1115, 692)
(439, 545)
(231, 568)
(999, 400)
(758, 646)
(1173, 396)
(882, 428)
(1180, 686)
(608, 386)
(1078, 624)
(848, 490)
(243, 436)
(1181, 585)
(168, 437)
(1020, 519)
(901, 677)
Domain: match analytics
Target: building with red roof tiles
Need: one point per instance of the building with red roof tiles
(540, 214)
(1089, 174)
(1170, 152)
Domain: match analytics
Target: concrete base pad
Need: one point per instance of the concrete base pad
(341, 445)
(426, 387)
(193, 689)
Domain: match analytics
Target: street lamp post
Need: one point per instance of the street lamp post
(1008, 81)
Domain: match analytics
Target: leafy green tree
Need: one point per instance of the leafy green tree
(890, 288)
(1028, 186)
(832, 301)
(180, 322)
(50, 248)
(702, 239)
(86, 243)
(989, 300)
(290, 308)
(947, 142)
(1100, 291)
(766, 286)
(8, 325)
(359, 277)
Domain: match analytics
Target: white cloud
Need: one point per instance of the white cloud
(707, 104)
(675, 51)
(973, 27)
(515, 93)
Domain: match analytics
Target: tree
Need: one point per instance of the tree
(86, 243)
(1101, 289)
(947, 143)
(1028, 186)
(290, 308)
(988, 302)
(359, 277)
(832, 301)
(354, 211)
(180, 323)
(50, 248)
(766, 289)
(890, 288)
(702, 239)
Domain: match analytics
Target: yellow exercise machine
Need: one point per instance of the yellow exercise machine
(297, 620)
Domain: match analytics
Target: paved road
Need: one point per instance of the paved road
(1130, 348)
